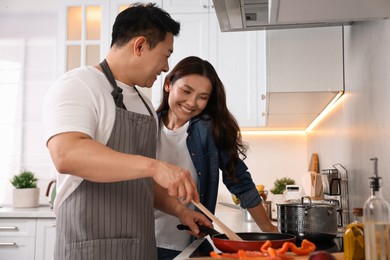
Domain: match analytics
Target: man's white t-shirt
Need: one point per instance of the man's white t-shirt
(172, 148)
(81, 101)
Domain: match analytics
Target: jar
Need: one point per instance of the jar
(354, 237)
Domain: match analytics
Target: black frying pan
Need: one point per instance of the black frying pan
(252, 241)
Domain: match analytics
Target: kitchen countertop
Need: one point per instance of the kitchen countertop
(235, 220)
(43, 211)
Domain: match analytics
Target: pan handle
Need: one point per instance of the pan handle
(209, 231)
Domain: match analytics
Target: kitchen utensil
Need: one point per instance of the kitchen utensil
(252, 240)
(314, 171)
(268, 208)
(312, 221)
(331, 182)
(229, 233)
(314, 164)
(293, 193)
(53, 192)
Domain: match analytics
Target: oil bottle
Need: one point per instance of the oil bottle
(354, 237)
(376, 221)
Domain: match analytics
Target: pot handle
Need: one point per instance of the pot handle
(303, 200)
(340, 213)
(209, 231)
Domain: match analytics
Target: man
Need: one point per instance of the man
(101, 135)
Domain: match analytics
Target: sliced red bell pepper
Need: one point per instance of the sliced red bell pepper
(306, 248)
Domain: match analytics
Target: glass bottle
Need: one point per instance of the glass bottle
(376, 221)
(354, 237)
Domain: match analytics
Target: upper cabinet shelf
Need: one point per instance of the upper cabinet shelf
(326, 11)
(244, 15)
(305, 71)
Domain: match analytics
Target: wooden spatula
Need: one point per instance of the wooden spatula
(229, 233)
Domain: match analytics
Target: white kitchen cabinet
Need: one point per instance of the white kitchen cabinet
(26, 238)
(17, 239)
(305, 72)
(188, 6)
(45, 238)
(238, 58)
(305, 59)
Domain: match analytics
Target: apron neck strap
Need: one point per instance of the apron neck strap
(117, 91)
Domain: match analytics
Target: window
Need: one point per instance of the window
(11, 109)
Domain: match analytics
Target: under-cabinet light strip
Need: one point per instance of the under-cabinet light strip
(273, 132)
(328, 108)
(326, 111)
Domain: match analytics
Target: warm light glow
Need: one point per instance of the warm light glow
(75, 15)
(272, 132)
(93, 22)
(336, 100)
(326, 111)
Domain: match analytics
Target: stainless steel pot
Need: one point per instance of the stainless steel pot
(312, 221)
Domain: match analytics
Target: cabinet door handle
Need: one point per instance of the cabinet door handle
(8, 228)
(7, 244)
(263, 97)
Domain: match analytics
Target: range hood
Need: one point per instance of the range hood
(246, 15)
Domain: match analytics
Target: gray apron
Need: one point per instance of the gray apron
(113, 220)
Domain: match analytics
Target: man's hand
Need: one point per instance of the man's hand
(193, 219)
(177, 181)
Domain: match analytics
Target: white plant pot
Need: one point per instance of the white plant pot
(25, 198)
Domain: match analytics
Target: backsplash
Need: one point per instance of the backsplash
(359, 127)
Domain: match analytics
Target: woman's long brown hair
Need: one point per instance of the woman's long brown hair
(226, 132)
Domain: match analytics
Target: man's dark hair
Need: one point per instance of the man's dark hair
(146, 20)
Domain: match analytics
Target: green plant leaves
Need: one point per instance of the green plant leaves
(280, 185)
(24, 180)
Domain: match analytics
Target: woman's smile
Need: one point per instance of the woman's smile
(186, 110)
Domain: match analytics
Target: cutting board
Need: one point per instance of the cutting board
(315, 177)
(314, 164)
(339, 256)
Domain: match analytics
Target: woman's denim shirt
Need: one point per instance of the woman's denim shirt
(208, 160)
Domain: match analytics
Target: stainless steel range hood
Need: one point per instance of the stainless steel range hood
(245, 15)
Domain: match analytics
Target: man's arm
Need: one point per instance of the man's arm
(77, 154)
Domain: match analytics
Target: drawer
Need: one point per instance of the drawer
(17, 248)
(17, 227)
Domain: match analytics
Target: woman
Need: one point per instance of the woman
(197, 132)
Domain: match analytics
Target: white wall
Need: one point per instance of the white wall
(359, 128)
(274, 156)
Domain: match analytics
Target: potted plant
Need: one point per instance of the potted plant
(280, 185)
(277, 193)
(26, 192)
